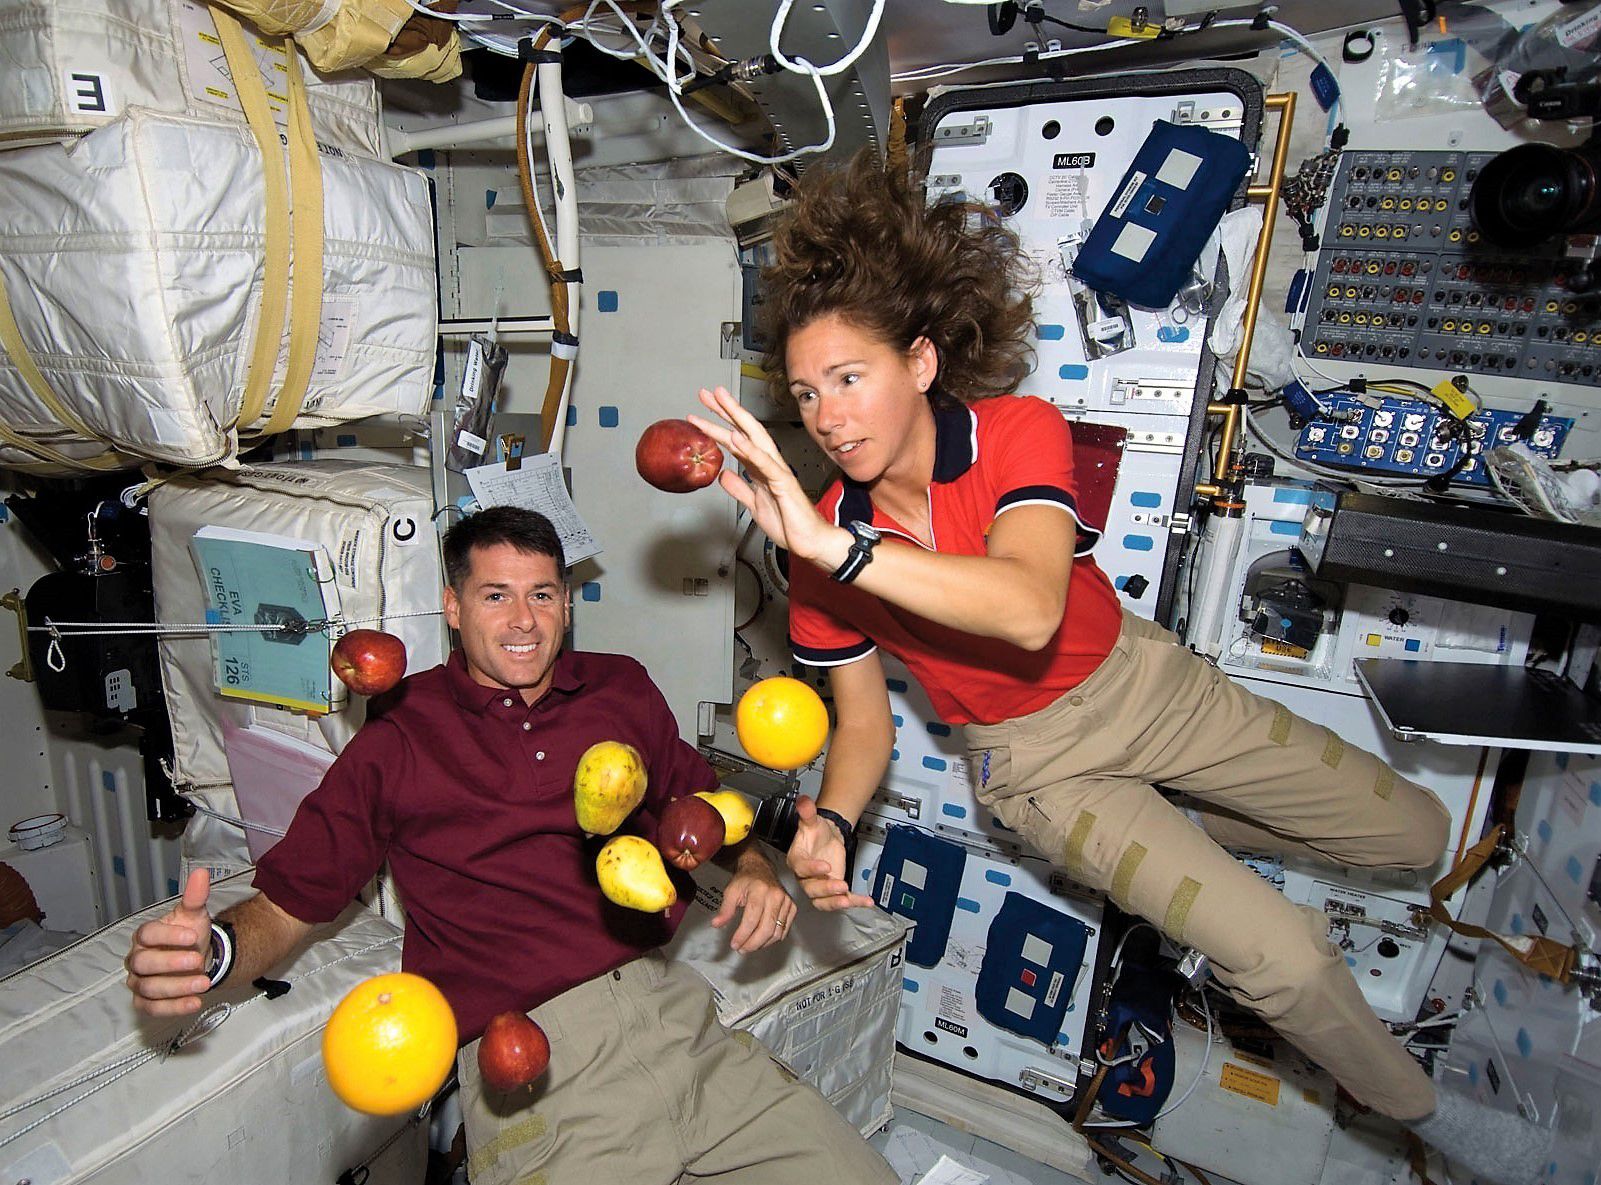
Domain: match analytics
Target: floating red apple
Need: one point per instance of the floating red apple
(676, 456)
(690, 833)
(513, 1052)
(369, 662)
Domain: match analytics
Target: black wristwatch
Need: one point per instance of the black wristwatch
(847, 832)
(861, 552)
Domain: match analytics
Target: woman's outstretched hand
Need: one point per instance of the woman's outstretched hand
(769, 489)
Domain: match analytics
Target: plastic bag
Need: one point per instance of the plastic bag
(1439, 74)
(1566, 41)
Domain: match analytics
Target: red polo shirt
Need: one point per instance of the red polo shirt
(468, 793)
(989, 457)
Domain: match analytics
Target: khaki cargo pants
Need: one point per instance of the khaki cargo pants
(1075, 779)
(645, 1086)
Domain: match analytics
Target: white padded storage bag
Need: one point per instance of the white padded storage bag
(246, 1101)
(134, 263)
(376, 524)
(70, 66)
(823, 1001)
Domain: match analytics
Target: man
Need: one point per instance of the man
(464, 786)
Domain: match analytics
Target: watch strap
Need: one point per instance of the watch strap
(224, 952)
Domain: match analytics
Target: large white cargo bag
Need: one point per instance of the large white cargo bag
(70, 66)
(823, 1001)
(376, 524)
(88, 1097)
(134, 263)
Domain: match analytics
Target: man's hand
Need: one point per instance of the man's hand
(167, 962)
(767, 908)
(817, 858)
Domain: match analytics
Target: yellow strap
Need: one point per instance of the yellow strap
(305, 298)
(1545, 956)
(252, 93)
(22, 358)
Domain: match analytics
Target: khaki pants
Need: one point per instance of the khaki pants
(1076, 777)
(645, 1086)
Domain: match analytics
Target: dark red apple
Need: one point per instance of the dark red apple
(369, 662)
(513, 1052)
(690, 833)
(676, 456)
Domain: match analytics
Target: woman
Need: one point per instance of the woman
(953, 540)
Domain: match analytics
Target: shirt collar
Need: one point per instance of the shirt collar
(955, 452)
(476, 697)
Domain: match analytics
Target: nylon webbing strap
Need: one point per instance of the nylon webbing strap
(252, 94)
(1540, 954)
(306, 229)
(22, 358)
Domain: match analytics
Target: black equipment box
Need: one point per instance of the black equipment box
(1469, 553)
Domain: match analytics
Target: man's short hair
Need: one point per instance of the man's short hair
(526, 530)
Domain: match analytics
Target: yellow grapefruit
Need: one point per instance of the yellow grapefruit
(389, 1044)
(781, 723)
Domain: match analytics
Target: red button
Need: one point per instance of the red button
(1028, 977)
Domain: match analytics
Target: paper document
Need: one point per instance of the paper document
(253, 578)
(536, 485)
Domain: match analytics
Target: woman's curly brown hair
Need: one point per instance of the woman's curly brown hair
(860, 241)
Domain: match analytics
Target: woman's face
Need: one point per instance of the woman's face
(863, 400)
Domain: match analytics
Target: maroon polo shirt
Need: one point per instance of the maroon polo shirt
(467, 792)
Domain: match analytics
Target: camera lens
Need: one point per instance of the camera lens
(1533, 192)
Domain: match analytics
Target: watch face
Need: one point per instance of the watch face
(865, 531)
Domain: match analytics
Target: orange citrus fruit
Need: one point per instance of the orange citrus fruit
(389, 1044)
(781, 723)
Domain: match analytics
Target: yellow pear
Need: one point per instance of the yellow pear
(735, 810)
(608, 785)
(632, 874)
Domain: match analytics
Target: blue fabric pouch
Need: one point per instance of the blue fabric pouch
(1031, 959)
(1145, 243)
(918, 878)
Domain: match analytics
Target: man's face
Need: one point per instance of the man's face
(512, 614)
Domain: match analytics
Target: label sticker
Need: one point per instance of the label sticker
(1261, 1087)
(1126, 195)
(473, 371)
(1073, 160)
(86, 93)
(333, 338)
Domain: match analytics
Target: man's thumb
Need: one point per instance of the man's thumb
(805, 808)
(197, 890)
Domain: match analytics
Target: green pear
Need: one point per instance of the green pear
(632, 875)
(608, 784)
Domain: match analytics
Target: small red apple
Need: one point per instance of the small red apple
(676, 456)
(369, 662)
(691, 832)
(513, 1052)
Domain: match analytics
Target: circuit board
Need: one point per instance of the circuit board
(1408, 438)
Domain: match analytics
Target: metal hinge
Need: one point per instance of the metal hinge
(964, 133)
(1215, 116)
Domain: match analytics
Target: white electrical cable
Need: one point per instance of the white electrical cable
(1200, 1075)
(1290, 34)
(945, 69)
(675, 86)
(838, 67)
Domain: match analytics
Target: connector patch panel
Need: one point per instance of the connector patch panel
(1403, 279)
